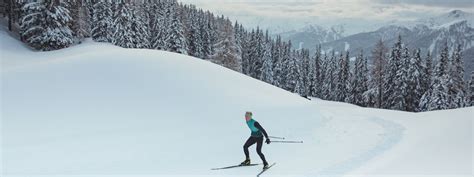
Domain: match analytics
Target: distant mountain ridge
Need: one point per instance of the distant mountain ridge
(311, 35)
(446, 19)
(427, 34)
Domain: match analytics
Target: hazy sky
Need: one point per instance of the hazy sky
(271, 13)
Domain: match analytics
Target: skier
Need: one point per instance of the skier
(256, 137)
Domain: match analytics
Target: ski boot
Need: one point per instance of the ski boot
(265, 165)
(245, 163)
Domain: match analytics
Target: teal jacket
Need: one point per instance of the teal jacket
(256, 129)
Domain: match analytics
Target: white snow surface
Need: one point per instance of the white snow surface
(99, 110)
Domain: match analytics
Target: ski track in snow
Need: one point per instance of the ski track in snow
(392, 135)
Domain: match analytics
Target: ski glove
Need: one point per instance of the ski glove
(267, 141)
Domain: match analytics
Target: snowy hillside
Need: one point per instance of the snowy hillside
(100, 110)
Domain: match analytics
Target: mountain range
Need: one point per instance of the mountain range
(313, 34)
(428, 34)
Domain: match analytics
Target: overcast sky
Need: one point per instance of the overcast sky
(278, 12)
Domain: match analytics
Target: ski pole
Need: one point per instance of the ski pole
(287, 141)
(276, 137)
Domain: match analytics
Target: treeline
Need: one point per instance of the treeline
(398, 78)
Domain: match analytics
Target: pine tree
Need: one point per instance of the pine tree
(437, 97)
(123, 35)
(301, 87)
(148, 16)
(140, 29)
(277, 62)
(324, 66)
(206, 39)
(415, 81)
(378, 72)
(316, 85)
(57, 34)
(267, 68)
(293, 79)
(471, 90)
(256, 53)
(246, 53)
(86, 16)
(238, 36)
(32, 23)
(213, 32)
(227, 53)
(290, 70)
(80, 23)
(457, 91)
(195, 38)
(442, 67)
(427, 73)
(175, 39)
(310, 76)
(159, 25)
(371, 97)
(392, 77)
(257, 64)
(342, 82)
(306, 73)
(359, 81)
(399, 98)
(329, 77)
(46, 26)
(285, 60)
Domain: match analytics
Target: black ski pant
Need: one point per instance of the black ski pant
(252, 140)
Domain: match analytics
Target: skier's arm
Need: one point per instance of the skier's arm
(257, 125)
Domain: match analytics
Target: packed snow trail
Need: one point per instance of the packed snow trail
(393, 133)
(435, 144)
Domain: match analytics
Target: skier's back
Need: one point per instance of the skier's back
(256, 136)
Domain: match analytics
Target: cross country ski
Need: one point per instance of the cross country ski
(265, 169)
(235, 166)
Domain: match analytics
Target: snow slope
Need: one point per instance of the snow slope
(100, 110)
(431, 144)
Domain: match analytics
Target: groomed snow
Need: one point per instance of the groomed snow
(99, 110)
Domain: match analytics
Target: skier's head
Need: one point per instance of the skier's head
(248, 115)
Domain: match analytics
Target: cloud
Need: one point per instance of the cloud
(437, 3)
(287, 13)
(286, 8)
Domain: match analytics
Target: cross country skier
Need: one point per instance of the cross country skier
(256, 137)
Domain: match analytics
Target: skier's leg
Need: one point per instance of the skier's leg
(259, 150)
(247, 144)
